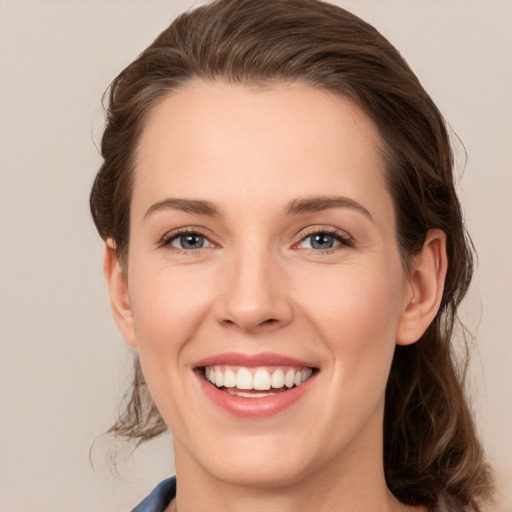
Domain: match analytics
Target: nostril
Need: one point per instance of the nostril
(251, 326)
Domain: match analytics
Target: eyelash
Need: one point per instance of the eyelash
(168, 238)
(345, 239)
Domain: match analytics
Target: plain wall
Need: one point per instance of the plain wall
(63, 365)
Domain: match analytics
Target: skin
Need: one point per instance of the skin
(257, 285)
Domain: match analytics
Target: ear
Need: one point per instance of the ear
(425, 288)
(118, 290)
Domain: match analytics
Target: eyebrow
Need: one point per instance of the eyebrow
(293, 207)
(319, 203)
(198, 206)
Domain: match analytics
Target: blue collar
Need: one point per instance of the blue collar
(160, 498)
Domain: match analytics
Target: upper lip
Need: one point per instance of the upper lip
(261, 359)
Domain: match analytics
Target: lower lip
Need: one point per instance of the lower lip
(262, 407)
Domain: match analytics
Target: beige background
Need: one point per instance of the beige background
(63, 366)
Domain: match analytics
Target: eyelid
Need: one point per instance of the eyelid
(165, 240)
(345, 239)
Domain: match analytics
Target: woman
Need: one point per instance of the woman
(286, 251)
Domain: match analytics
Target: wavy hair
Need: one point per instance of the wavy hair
(432, 455)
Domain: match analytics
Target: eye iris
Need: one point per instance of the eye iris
(322, 241)
(191, 241)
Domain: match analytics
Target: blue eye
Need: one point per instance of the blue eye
(325, 240)
(322, 241)
(188, 241)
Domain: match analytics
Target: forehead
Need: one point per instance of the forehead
(231, 141)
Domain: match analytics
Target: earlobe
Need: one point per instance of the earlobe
(118, 290)
(425, 288)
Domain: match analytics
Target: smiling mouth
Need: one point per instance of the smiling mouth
(256, 382)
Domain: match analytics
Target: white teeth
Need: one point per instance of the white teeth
(219, 378)
(229, 379)
(260, 379)
(278, 379)
(244, 379)
(290, 377)
(305, 374)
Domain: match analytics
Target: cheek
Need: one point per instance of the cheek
(167, 309)
(357, 320)
(363, 301)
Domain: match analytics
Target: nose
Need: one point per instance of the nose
(254, 296)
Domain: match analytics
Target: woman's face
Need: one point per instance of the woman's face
(262, 254)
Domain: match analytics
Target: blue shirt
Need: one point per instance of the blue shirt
(160, 498)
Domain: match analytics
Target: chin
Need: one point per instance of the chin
(257, 460)
(258, 473)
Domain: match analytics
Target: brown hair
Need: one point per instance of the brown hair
(432, 455)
